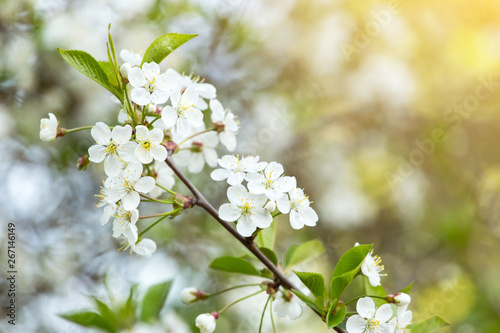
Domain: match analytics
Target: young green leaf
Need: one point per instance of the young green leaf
(113, 85)
(86, 64)
(266, 237)
(428, 325)
(347, 268)
(234, 265)
(306, 251)
(334, 319)
(163, 46)
(269, 254)
(153, 301)
(89, 319)
(127, 312)
(308, 300)
(106, 312)
(352, 259)
(314, 282)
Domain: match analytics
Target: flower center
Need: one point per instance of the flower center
(111, 148)
(373, 325)
(151, 85)
(146, 145)
(246, 209)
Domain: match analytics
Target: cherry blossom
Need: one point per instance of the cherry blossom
(149, 86)
(48, 128)
(272, 182)
(369, 319)
(234, 169)
(195, 152)
(149, 145)
(297, 204)
(206, 322)
(183, 114)
(288, 305)
(226, 124)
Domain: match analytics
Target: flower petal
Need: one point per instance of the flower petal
(169, 116)
(112, 165)
(229, 212)
(245, 226)
(131, 200)
(145, 184)
(197, 163)
(356, 324)
(366, 307)
(145, 247)
(101, 133)
(97, 153)
(121, 134)
(235, 178)
(384, 313)
(140, 96)
(237, 195)
(228, 139)
(210, 155)
(261, 218)
(221, 174)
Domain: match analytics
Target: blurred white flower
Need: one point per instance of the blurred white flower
(183, 114)
(234, 169)
(164, 177)
(204, 90)
(402, 300)
(399, 324)
(146, 247)
(134, 59)
(113, 147)
(369, 319)
(48, 128)
(188, 295)
(195, 152)
(124, 224)
(149, 145)
(297, 204)
(247, 209)
(109, 205)
(288, 305)
(272, 182)
(227, 126)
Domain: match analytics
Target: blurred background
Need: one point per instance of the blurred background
(386, 112)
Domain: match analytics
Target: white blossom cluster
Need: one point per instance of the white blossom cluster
(168, 106)
(268, 189)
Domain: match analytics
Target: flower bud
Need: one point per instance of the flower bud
(83, 163)
(270, 206)
(191, 295)
(206, 322)
(48, 128)
(152, 108)
(402, 299)
(125, 69)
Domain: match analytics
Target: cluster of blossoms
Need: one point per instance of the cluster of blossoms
(268, 189)
(168, 111)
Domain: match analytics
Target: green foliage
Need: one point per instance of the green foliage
(408, 289)
(90, 319)
(153, 301)
(347, 268)
(308, 300)
(234, 265)
(105, 311)
(299, 254)
(269, 255)
(161, 47)
(86, 64)
(374, 291)
(314, 282)
(267, 236)
(428, 325)
(335, 318)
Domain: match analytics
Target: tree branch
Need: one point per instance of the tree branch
(246, 241)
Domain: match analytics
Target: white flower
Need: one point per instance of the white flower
(48, 128)
(125, 186)
(188, 295)
(198, 150)
(124, 224)
(247, 209)
(204, 90)
(234, 169)
(149, 86)
(149, 145)
(109, 205)
(288, 305)
(206, 323)
(164, 177)
(399, 324)
(225, 120)
(368, 320)
(145, 247)
(298, 206)
(270, 206)
(125, 69)
(183, 113)
(134, 59)
(272, 182)
(113, 147)
(371, 268)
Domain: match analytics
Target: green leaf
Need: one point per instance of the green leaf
(375, 291)
(347, 268)
(86, 64)
(269, 255)
(308, 300)
(428, 325)
(408, 289)
(89, 319)
(320, 302)
(352, 259)
(314, 282)
(106, 312)
(163, 46)
(334, 319)
(306, 251)
(267, 236)
(153, 301)
(107, 67)
(234, 265)
(127, 311)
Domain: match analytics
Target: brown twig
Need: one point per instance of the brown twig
(246, 241)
